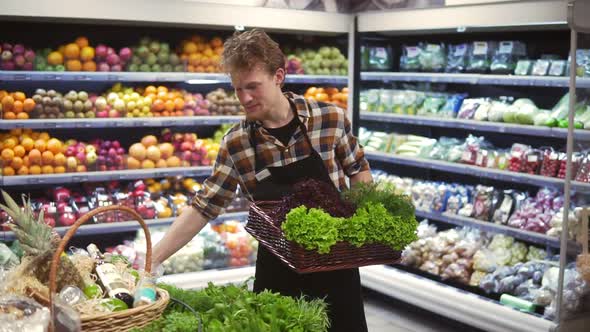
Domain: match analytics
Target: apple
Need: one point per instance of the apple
(67, 219)
(186, 146)
(91, 157)
(100, 51)
(90, 148)
(81, 168)
(114, 114)
(102, 114)
(186, 155)
(71, 162)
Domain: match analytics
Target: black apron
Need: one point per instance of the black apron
(340, 289)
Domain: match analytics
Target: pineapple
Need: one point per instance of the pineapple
(39, 242)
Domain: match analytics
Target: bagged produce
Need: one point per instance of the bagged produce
(451, 106)
(497, 109)
(480, 55)
(457, 58)
(506, 56)
(523, 67)
(8, 259)
(432, 57)
(410, 59)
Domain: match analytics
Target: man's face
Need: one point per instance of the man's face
(258, 91)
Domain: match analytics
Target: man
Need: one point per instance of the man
(285, 138)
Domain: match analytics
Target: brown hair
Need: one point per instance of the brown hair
(245, 50)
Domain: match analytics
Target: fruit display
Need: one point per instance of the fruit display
(16, 57)
(224, 103)
(16, 105)
(109, 60)
(328, 95)
(323, 61)
(201, 55)
(49, 105)
(78, 105)
(26, 152)
(152, 55)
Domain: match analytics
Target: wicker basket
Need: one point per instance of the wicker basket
(116, 321)
(342, 255)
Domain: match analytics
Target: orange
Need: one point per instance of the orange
(47, 169)
(26, 161)
(17, 162)
(8, 171)
(189, 47)
(216, 42)
(54, 145)
(40, 145)
(47, 158)
(205, 61)
(208, 52)
(158, 105)
(28, 143)
(35, 135)
(149, 90)
(178, 104)
(59, 159)
(74, 65)
(59, 169)
(35, 157)
(44, 136)
(18, 95)
(10, 143)
(10, 115)
(19, 151)
(210, 69)
(190, 68)
(55, 58)
(22, 116)
(7, 103)
(133, 163)
(3, 93)
(194, 59)
(18, 106)
(7, 155)
(61, 49)
(23, 170)
(89, 66)
(162, 95)
(28, 105)
(72, 51)
(82, 42)
(86, 53)
(218, 51)
(35, 170)
(200, 69)
(162, 88)
(169, 105)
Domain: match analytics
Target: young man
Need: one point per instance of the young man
(284, 138)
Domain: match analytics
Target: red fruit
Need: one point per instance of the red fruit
(28, 66)
(18, 49)
(49, 221)
(116, 68)
(125, 54)
(30, 56)
(103, 66)
(100, 51)
(187, 155)
(186, 146)
(20, 60)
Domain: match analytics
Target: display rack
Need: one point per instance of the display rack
(494, 174)
(450, 22)
(22, 180)
(197, 280)
(492, 127)
(126, 226)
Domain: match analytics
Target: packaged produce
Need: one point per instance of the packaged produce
(557, 68)
(483, 202)
(451, 106)
(583, 174)
(457, 58)
(19, 313)
(440, 151)
(532, 161)
(373, 100)
(377, 58)
(469, 107)
(497, 109)
(410, 59)
(432, 57)
(517, 157)
(505, 208)
(471, 148)
(480, 54)
(523, 67)
(432, 104)
(506, 56)
(481, 114)
(385, 101)
(540, 67)
(583, 62)
(576, 162)
(8, 259)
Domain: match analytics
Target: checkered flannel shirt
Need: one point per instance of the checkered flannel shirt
(329, 130)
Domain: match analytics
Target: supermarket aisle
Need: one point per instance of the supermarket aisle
(389, 315)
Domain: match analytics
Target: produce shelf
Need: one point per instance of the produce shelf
(536, 180)
(528, 236)
(105, 176)
(197, 280)
(494, 127)
(193, 78)
(174, 121)
(125, 226)
(483, 79)
(451, 302)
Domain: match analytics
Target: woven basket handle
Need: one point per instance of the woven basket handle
(72, 231)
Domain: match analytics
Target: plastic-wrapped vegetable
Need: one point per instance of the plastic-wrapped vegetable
(469, 108)
(481, 114)
(432, 105)
(476, 278)
(432, 58)
(497, 109)
(457, 58)
(480, 54)
(523, 67)
(410, 59)
(519, 252)
(506, 56)
(536, 253)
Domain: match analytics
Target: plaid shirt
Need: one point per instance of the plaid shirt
(329, 130)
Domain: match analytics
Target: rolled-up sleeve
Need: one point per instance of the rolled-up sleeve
(220, 188)
(349, 152)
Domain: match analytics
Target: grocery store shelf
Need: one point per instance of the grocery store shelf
(528, 236)
(197, 280)
(126, 226)
(488, 17)
(451, 302)
(483, 79)
(105, 176)
(494, 127)
(120, 122)
(177, 13)
(536, 180)
(192, 78)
